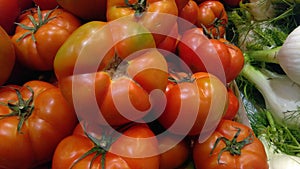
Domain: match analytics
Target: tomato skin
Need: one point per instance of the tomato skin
(46, 4)
(74, 146)
(143, 70)
(7, 56)
(212, 15)
(92, 10)
(202, 54)
(233, 106)
(41, 132)
(181, 4)
(67, 56)
(170, 42)
(194, 100)
(152, 18)
(189, 11)
(39, 54)
(236, 60)
(252, 155)
(10, 11)
(192, 52)
(179, 151)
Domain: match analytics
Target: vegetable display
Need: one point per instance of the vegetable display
(149, 84)
(31, 124)
(267, 34)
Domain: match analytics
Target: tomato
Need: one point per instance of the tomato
(120, 73)
(169, 44)
(189, 11)
(46, 4)
(87, 10)
(37, 50)
(236, 61)
(158, 16)
(232, 145)
(171, 149)
(203, 54)
(31, 124)
(135, 147)
(9, 12)
(7, 56)
(233, 105)
(213, 17)
(181, 4)
(192, 102)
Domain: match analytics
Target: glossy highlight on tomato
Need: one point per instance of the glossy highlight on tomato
(31, 124)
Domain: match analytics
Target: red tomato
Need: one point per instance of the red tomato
(236, 60)
(181, 4)
(31, 124)
(121, 84)
(36, 50)
(87, 10)
(148, 13)
(232, 145)
(170, 42)
(10, 11)
(233, 106)
(46, 4)
(213, 17)
(136, 147)
(203, 54)
(179, 150)
(7, 56)
(190, 12)
(192, 102)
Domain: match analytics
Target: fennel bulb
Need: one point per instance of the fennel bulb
(277, 159)
(281, 95)
(289, 55)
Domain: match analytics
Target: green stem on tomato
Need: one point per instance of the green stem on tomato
(22, 109)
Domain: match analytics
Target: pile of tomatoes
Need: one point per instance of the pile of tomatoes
(128, 84)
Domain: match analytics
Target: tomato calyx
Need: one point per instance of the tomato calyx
(176, 78)
(23, 108)
(36, 24)
(233, 146)
(116, 67)
(139, 7)
(101, 145)
(216, 24)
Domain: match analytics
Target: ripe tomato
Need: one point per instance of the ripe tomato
(233, 105)
(31, 124)
(46, 4)
(153, 14)
(87, 10)
(232, 145)
(213, 17)
(7, 56)
(179, 150)
(190, 12)
(203, 54)
(136, 147)
(169, 44)
(120, 84)
(236, 60)
(192, 103)
(10, 11)
(37, 49)
(181, 4)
